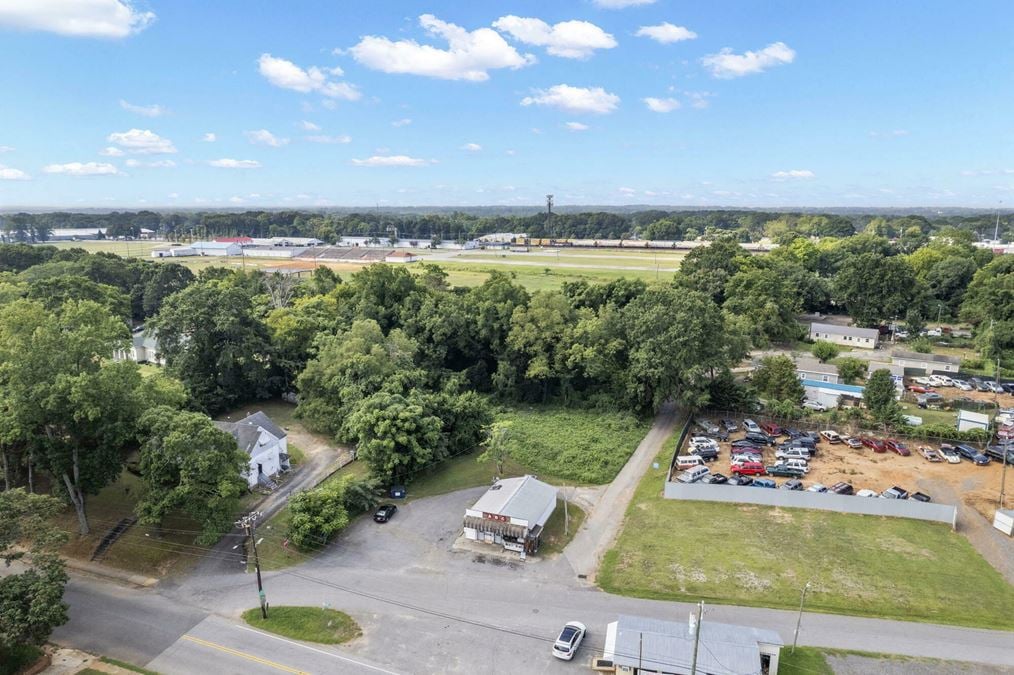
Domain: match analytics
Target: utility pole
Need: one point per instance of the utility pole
(697, 636)
(799, 619)
(566, 514)
(249, 524)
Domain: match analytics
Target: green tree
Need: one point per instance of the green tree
(775, 378)
(873, 287)
(851, 369)
(879, 396)
(948, 279)
(708, 268)
(395, 436)
(914, 321)
(158, 282)
(317, 515)
(188, 464)
(990, 295)
(497, 446)
(768, 300)
(825, 351)
(539, 342)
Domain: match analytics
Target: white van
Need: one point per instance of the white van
(684, 462)
(693, 474)
(831, 436)
(797, 464)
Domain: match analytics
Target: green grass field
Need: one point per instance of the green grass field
(557, 534)
(310, 624)
(805, 661)
(762, 556)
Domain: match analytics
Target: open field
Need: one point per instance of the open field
(762, 556)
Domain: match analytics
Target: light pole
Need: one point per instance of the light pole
(799, 619)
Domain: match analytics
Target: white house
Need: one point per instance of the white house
(638, 646)
(928, 363)
(512, 513)
(143, 348)
(812, 369)
(264, 442)
(849, 336)
(217, 248)
(401, 257)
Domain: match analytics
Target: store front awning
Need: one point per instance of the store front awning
(495, 526)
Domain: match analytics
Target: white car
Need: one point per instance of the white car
(569, 640)
(940, 381)
(867, 493)
(962, 385)
(817, 487)
(924, 381)
(703, 442)
(933, 332)
(815, 405)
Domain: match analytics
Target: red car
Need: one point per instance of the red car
(897, 446)
(748, 469)
(919, 389)
(771, 429)
(874, 444)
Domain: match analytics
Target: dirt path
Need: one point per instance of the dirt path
(994, 546)
(603, 524)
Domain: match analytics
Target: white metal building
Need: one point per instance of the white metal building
(928, 363)
(830, 393)
(968, 420)
(218, 248)
(512, 513)
(850, 336)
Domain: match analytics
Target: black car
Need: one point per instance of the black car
(715, 479)
(759, 439)
(385, 513)
(746, 445)
(708, 454)
(843, 489)
(971, 454)
(730, 425)
(740, 480)
(920, 497)
(1008, 387)
(783, 471)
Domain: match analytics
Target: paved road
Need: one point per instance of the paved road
(603, 524)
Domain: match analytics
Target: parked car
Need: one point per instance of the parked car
(815, 405)
(793, 484)
(764, 483)
(929, 454)
(998, 450)
(799, 442)
(760, 439)
(708, 427)
(569, 640)
(894, 493)
(865, 492)
(962, 385)
(385, 513)
(684, 462)
(842, 488)
(920, 389)
(950, 455)
(747, 469)
(707, 453)
(714, 479)
(1008, 387)
(693, 474)
(971, 454)
(928, 399)
(897, 446)
(853, 442)
(831, 436)
(751, 426)
(920, 497)
(741, 456)
(784, 471)
(745, 446)
(792, 453)
(817, 487)
(771, 429)
(703, 440)
(799, 465)
(874, 444)
(983, 385)
(924, 381)
(996, 388)
(940, 381)
(729, 424)
(740, 480)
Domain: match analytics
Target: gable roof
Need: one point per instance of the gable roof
(247, 431)
(524, 498)
(808, 365)
(916, 356)
(851, 331)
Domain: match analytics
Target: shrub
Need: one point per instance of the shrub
(825, 351)
(975, 363)
(851, 369)
(921, 345)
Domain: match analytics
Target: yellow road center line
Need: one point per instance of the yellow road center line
(244, 655)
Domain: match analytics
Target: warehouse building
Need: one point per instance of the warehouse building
(218, 248)
(927, 363)
(512, 513)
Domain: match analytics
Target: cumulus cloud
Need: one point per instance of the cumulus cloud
(392, 160)
(576, 126)
(5, 148)
(313, 80)
(469, 56)
(569, 39)
(574, 99)
(308, 126)
(321, 138)
(227, 163)
(265, 137)
(403, 122)
(153, 110)
(82, 169)
(89, 18)
(698, 99)
(142, 142)
(661, 105)
(622, 4)
(157, 164)
(666, 33)
(471, 147)
(793, 174)
(111, 152)
(628, 191)
(726, 64)
(209, 137)
(10, 173)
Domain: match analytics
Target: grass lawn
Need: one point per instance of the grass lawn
(310, 624)
(458, 473)
(554, 539)
(127, 666)
(546, 277)
(583, 446)
(761, 556)
(928, 416)
(15, 658)
(807, 660)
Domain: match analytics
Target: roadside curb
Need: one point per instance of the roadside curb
(110, 573)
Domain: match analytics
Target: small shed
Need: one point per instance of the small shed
(1003, 520)
(968, 420)
(401, 257)
(512, 513)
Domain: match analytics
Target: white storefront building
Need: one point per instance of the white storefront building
(512, 513)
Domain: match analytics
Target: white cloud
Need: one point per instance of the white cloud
(227, 163)
(621, 4)
(288, 75)
(698, 99)
(575, 99)
(666, 33)
(510, 153)
(569, 39)
(329, 139)
(85, 169)
(157, 164)
(142, 142)
(265, 137)
(576, 126)
(793, 174)
(726, 64)
(111, 152)
(470, 54)
(628, 191)
(174, 195)
(987, 172)
(209, 138)
(236, 200)
(392, 160)
(5, 148)
(308, 126)
(79, 18)
(403, 122)
(153, 110)
(661, 105)
(10, 173)
(471, 147)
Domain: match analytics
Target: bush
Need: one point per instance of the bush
(921, 345)
(825, 351)
(851, 369)
(972, 364)
(943, 431)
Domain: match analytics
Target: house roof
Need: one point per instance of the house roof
(213, 244)
(814, 366)
(247, 431)
(233, 240)
(916, 356)
(852, 331)
(524, 498)
(145, 338)
(974, 417)
(844, 388)
(656, 645)
(401, 254)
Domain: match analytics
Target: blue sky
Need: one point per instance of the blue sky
(107, 103)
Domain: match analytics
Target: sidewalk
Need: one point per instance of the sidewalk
(106, 572)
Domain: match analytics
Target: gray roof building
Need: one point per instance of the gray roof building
(916, 356)
(247, 431)
(851, 331)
